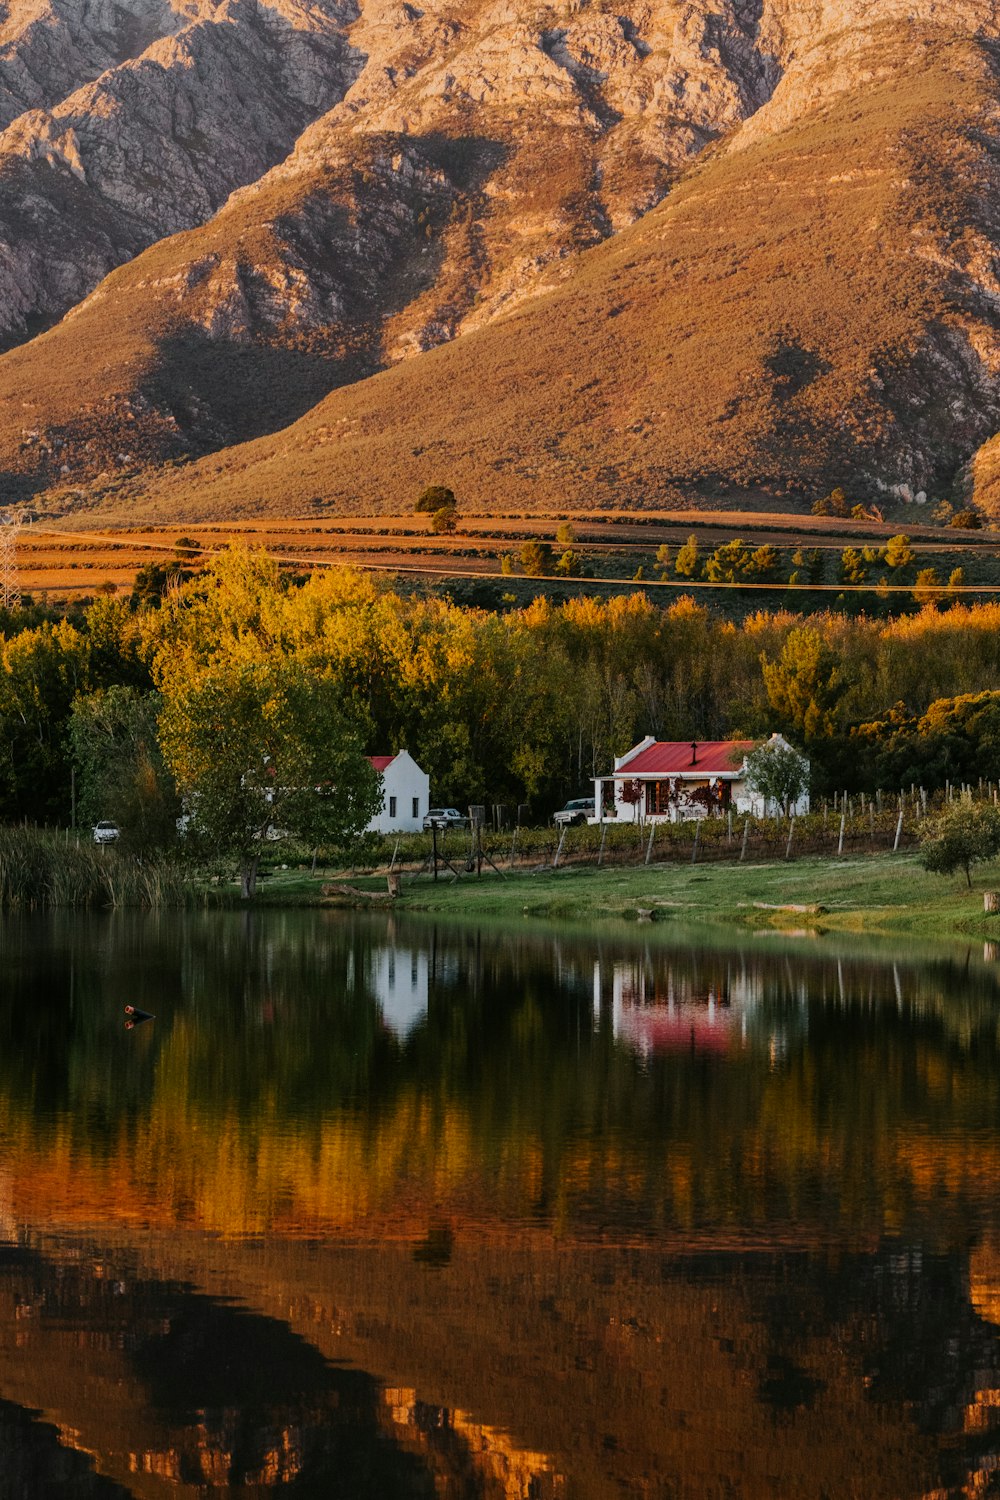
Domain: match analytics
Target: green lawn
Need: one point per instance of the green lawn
(874, 893)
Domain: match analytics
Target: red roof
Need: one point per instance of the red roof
(671, 757)
(381, 761)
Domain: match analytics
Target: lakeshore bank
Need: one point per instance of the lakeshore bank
(867, 894)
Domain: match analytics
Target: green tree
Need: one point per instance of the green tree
(257, 745)
(927, 587)
(853, 568)
(687, 564)
(566, 535)
(898, 552)
(777, 773)
(805, 684)
(664, 560)
(444, 520)
(120, 770)
(835, 503)
(965, 834)
(536, 558)
(570, 564)
(968, 519)
(435, 497)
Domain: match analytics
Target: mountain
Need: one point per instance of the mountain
(726, 251)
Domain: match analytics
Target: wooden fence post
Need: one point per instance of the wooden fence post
(649, 846)
(791, 831)
(697, 833)
(746, 835)
(840, 845)
(562, 840)
(600, 852)
(899, 832)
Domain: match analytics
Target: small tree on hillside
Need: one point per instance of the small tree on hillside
(434, 498)
(963, 835)
(777, 773)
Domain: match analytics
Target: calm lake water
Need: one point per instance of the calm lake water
(375, 1209)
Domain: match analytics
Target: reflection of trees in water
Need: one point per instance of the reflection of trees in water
(846, 1095)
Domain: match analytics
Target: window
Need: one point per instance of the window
(416, 807)
(392, 807)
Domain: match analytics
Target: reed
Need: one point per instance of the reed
(41, 868)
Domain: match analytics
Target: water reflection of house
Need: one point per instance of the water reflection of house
(661, 1008)
(398, 977)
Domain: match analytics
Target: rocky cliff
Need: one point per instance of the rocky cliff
(734, 249)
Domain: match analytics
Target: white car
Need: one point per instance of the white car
(575, 812)
(106, 833)
(444, 817)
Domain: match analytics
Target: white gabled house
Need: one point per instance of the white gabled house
(669, 780)
(406, 794)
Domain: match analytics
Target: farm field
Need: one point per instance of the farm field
(78, 557)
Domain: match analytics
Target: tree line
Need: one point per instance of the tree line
(521, 706)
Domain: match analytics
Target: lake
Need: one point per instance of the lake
(383, 1208)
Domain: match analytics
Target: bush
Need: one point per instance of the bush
(964, 834)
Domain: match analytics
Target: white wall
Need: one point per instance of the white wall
(404, 786)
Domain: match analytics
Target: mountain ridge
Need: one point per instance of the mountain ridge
(732, 250)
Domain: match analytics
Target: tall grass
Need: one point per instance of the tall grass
(39, 868)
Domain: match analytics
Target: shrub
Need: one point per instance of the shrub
(963, 835)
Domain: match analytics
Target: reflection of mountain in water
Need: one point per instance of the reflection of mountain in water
(182, 1393)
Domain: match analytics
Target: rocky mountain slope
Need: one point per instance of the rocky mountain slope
(547, 253)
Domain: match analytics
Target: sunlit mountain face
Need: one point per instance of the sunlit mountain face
(398, 1209)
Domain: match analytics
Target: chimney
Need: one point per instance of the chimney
(694, 752)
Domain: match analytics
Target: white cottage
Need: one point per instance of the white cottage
(668, 780)
(406, 794)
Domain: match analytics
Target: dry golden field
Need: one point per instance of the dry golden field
(65, 560)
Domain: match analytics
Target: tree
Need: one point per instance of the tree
(777, 773)
(120, 770)
(687, 563)
(566, 535)
(899, 553)
(927, 587)
(805, 684)
(257, 745)
(435, 497)
(444, 520)
(965, 834)
(536, 558)
(569, 565)
(835, 503)
(853, 568)
(968, 519)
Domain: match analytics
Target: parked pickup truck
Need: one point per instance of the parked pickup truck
(577, 811)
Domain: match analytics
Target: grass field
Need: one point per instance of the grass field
(879, 894)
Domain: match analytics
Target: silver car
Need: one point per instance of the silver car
(106, 833)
